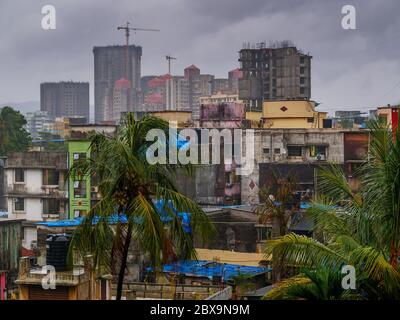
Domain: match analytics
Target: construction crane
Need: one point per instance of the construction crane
(127, 33)
(169, 58)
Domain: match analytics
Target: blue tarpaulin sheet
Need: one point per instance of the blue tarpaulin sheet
(165, 217)
(211, 269)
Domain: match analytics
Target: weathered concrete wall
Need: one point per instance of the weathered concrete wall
(10, 248)
(271, 147)
(205, 186)
(234, 231)
(37, 160)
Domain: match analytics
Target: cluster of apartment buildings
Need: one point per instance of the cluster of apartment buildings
(270, 94)
(184, 93)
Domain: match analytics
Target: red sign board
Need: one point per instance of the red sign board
(395, 119)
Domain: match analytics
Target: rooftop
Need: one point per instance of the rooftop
(210, 269)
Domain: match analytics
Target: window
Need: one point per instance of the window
(50, 177)
(19, 175)
(302, 70)
(302, 60)
(310, 120)
(302, 80)
(317, 150)
(79, 213)
(302, 90)
(80, 189)
(79, 156)
(19, 204)
(266, 150)
(277, 151)
(51, 206)
(294, 151)
(264, 233)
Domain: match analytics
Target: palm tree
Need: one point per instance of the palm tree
(278, 202)
(359, 228)
(129, 188)
(312, 284)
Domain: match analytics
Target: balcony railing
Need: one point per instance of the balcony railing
(45, 191)
(17, 188)
(72, 277)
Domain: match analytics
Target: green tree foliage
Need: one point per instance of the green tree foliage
(278, 202)
(353, 227)
(128, 185)
(13, 136)
(321, 283)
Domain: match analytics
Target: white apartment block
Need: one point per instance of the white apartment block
(35, 189)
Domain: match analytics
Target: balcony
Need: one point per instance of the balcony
(62, 278)
(20, 189)
(17, 188)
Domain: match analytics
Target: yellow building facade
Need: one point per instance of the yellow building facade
(182, 118)
(299, 114)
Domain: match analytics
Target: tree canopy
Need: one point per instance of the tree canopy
(13, 135)
(359, 228)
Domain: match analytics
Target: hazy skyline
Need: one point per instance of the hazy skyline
(351, 69)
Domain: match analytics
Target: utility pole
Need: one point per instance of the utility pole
(169, 82)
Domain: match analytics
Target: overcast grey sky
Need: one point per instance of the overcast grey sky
(351, 69)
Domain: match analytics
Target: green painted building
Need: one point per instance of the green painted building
(79, 189)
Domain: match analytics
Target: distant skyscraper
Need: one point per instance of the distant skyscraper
(233, 79)
(109, 66)
(182, 93)
(154, 98)
(121, 100)
(221, 85)
(67, 99)
(177, 89)
(278, 72)
(199, 85)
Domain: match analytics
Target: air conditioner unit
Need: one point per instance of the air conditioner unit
(94, 189)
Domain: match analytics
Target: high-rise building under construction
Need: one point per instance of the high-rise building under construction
(277, 72)
(112, 66)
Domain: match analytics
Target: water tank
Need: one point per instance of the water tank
(57, 250)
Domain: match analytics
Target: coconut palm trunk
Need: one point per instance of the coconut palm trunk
(142, 196)
(124, 259)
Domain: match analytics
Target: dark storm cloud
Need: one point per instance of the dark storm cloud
(351, 68)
